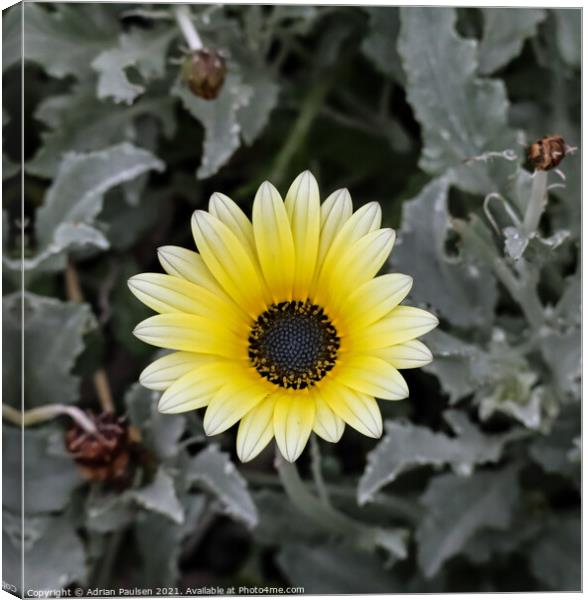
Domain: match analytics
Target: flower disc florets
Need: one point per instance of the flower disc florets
(293, 344)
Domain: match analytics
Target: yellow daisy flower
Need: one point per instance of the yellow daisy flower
(281, 323)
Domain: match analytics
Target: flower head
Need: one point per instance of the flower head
(282, 323)
(204, 73)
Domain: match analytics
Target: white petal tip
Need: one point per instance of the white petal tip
(147, 380)
(375, 433)
(212, 426)
(246, 455)
(306, 175)
(290, 456)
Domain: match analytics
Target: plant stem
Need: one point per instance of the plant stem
(523, 292)
(74, 293)
(317, 474)
(102, 576)
(45, 413)
(400, 507)
(191, 36)
(309, 505)
(536, 203)
(309, 110)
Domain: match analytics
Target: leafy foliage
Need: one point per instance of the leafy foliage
(53, 339)
(504, 35)
(437, 99)
(406, 446)
(214, 471)
(475, 485)
(459, 507)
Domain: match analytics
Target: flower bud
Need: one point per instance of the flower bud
(204, 73)
(103, 455)
(548, 152)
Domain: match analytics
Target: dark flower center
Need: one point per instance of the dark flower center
(293, 344)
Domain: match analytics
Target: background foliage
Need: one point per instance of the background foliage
(475, 484)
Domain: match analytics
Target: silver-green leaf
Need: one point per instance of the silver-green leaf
(406, 446)
(160, 497)
(505, 31)
(219, 117)
(53, 339)
(459, 507)
(214, 470)
(462, 117)
(469, 289)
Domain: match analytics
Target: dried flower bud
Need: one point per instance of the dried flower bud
(104, 455)
(547, 152)
(204, 73)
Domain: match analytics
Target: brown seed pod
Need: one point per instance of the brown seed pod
(547, 152)
(104, 455)
(204, 73)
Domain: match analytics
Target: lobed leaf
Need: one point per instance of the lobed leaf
(79, 122)
(36, 479)
(144, 50)
(66, 221)
(459, 507)
(462, 117)
(65, 40)
(215, 472)
(468, 288)
(219, 118)
(161, 433)
(53, 334)
(406, 446)
(56, 559)
(160, 497)
(505, 31)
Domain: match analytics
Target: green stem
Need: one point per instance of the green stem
(523, 292)
(45, 413)
(182, 14)
(317, 475)
(536, 203)
(399, 507)
(103, 575)
(309, 505)
(308, 112)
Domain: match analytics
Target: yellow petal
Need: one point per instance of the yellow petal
(169, 294)
(229, 262)
(404, 323)
(364, 220)
(227, 211)
(293, 422)
(373, 376)
(303, 206)
(355, 266)
(360, 411)
(195, 389)
(335, 211)
(375, 299)
(327, 424)
(190, 333)
(256, 430)
(408, 355)
(188, 265)
(273, 240)
(232, 402)
(161, 373)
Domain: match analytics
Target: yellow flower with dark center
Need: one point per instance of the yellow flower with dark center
(281, 323)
